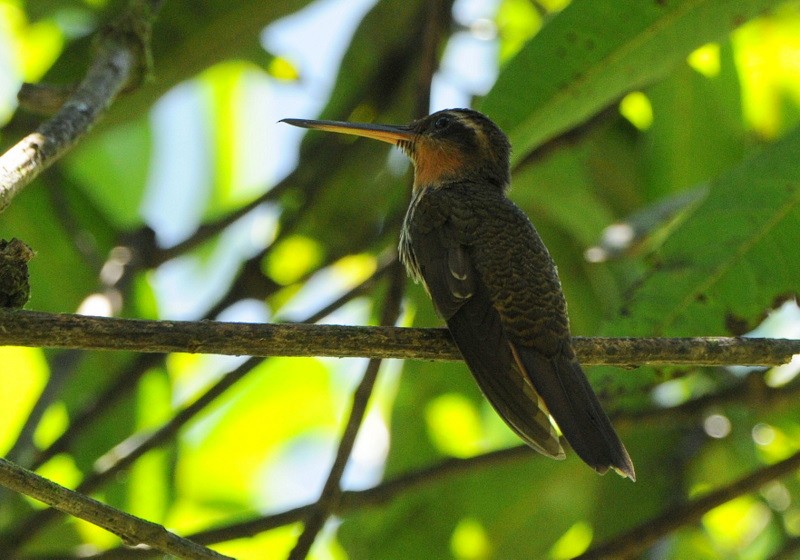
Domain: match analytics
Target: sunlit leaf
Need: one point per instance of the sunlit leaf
(706, 60)
(573, 543)
(594, 52)
(293, 258)
(283, 69)
(767, 54)
(517, 21)
(637, 109)
(54, 421)
(735, 524)
(23, 375)
(470, 541)
(40, 44)
(274, 544)
(454, 425)
(227, 87)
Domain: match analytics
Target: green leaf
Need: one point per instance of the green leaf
(729, 261)
(595, 51)
(113, 168)
(682, 152)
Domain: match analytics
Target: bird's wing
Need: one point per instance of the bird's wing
(562, 384)
(526, 293)
(463, 301)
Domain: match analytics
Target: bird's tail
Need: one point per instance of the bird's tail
(571, 401)
(478, 334)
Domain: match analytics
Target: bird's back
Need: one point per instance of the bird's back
(494, 282)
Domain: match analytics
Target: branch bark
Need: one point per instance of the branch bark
(121, 54)
(131, 529)
(351, 500)
(332, 492)
(47, 330)
(126, 453)
(632, 543)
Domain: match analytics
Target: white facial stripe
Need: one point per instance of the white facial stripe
(482, 140)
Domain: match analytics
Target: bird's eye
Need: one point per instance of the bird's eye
(441, 123)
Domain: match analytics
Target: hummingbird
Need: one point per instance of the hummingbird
(494, 283)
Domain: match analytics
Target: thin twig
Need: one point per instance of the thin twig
(387, 491)
(37, 329)
(138, 444)
(131, 529)
(81, 419)
(632, 543)
(126, 452)
(331, 492)
(351, 500)
(121, 54)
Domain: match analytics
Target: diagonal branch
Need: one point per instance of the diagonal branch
(131, 529)
(332, 491)
(355, 500)
(128, 451)
(120, 59)
(125, 453)
(351, 500)
(632, 543)
(47, 330)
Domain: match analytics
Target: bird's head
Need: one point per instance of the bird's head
(447, 146)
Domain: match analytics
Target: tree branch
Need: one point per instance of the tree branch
(332, 492)
(121, 54)
(137, 444)
(126, 452)
(632, 543)
(355, 500)
(351, 500)
(131, 529)
(47, 330)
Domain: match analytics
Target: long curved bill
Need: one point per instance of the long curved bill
(382, 132)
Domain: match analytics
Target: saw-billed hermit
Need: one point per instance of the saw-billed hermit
(493, 281)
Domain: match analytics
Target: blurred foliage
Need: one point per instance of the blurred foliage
(675, 122)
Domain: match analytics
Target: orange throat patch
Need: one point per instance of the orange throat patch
(434, 162)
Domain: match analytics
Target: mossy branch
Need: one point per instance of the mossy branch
(48, 330)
